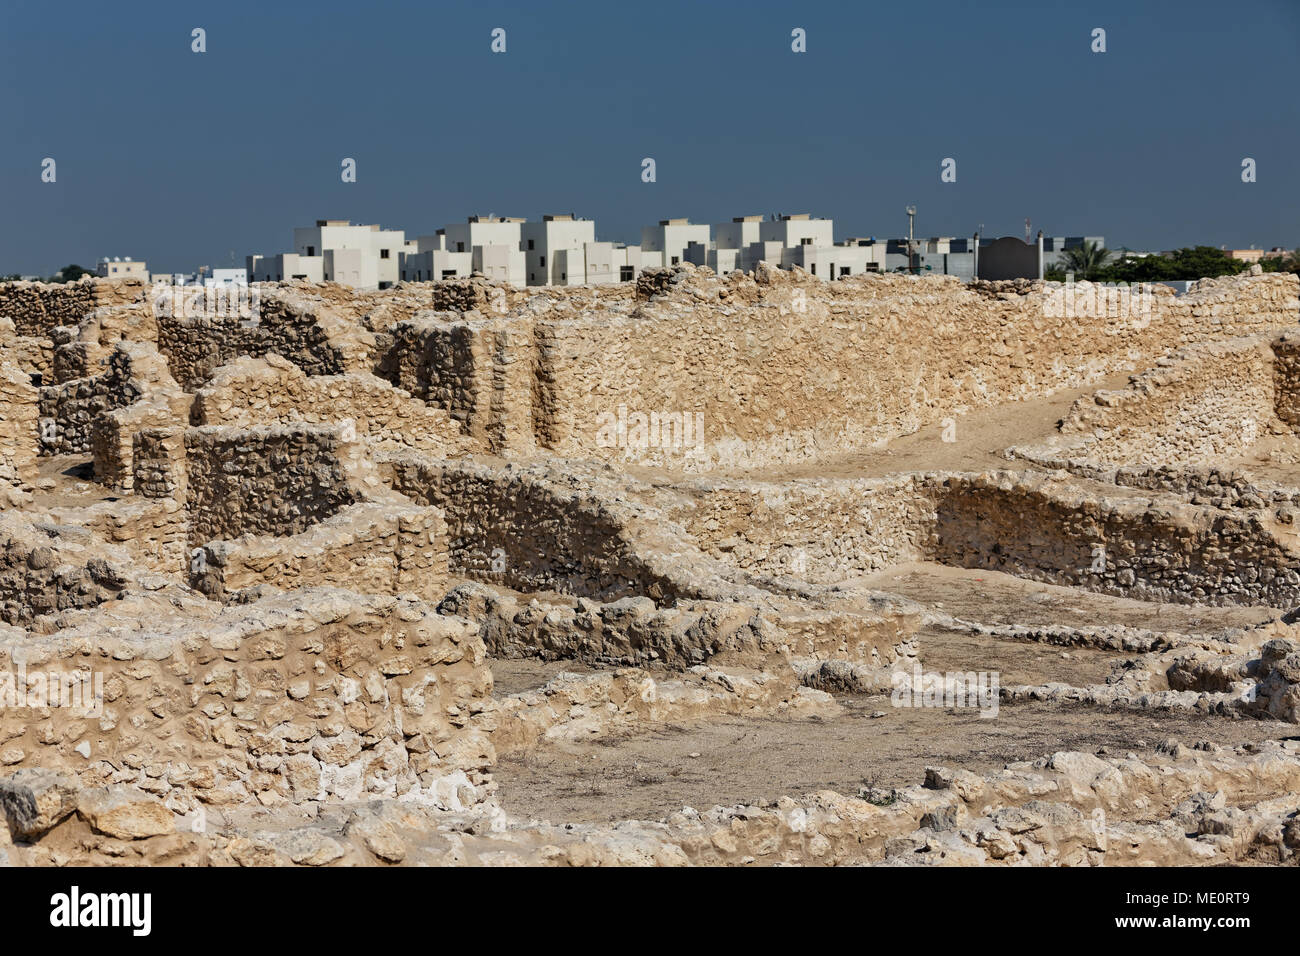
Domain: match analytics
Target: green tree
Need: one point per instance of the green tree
(1085, 261)
(70, 273)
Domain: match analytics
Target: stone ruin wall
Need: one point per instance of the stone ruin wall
(372, 548)
(268, 480)
(19, 415)
(542, 534)
(819, 531)
(1149, 548)
(37, 308)
(787, 368)
(46, 568)
(272, 390)
(1197, 405)
(321, 695)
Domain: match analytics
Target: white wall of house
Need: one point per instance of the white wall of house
(544, 241)
(668, 240)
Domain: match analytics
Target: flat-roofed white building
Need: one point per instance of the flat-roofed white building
(380, 250)
(122, 268)
(798, 230)
(285, 265)
(553, 250)
(667, 242)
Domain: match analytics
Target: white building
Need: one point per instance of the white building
(227, 277)
(666, 243)
(286, 265)
(122, 268)
(553, 250)
(785, 241)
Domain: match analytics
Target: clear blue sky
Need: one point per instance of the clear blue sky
(181, 158)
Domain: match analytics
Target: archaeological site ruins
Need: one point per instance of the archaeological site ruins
(750, 569)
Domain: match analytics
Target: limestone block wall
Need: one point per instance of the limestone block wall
(482, 371)
(541, 530)
(46, 568)
(373, 548)
(1286, 377)
(272, 390)
(154, 532)
(1207, 402)
(1150, 547)
(18, 426)
(322, 695)
(69, 412)
(783, 367)
(30, 354)
(316, 339)
(37, 307)
(821, 531)
(158, 463)
(268, 480)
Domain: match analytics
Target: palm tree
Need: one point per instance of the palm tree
(1085, 260)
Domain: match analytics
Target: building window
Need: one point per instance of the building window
(844, 270)
(460, 247)
(806, 241)
(311, 250)
(626, 273)
(542, 261)
(563, 276)
(530, 245)
(531, 277)
(674, 260)
(383, 253)
(814, 268)
(448, 273)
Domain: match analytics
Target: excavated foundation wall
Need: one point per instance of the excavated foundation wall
(19, 414)
(323, 695)
(1158, 549)
(268, 480)
(37, 308)
(1148, 546)
(819, 531)
(374, 548)
(312, 337)
(272, 390)
(784, 368)
(45, 568)
(530, 532)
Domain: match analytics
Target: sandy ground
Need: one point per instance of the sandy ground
(738, 760)
(992, 597)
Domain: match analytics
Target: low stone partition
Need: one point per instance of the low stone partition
(817, 530)
(269, 480)
(273, 391)
(544, 528)
(70, 412)
(322, 695)
(1147, 546)
(317, 338)
(38, 307)
(379, 548)
(19, 414)
(45, 567)
(630, 631)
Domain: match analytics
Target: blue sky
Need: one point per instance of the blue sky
(183, 158)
